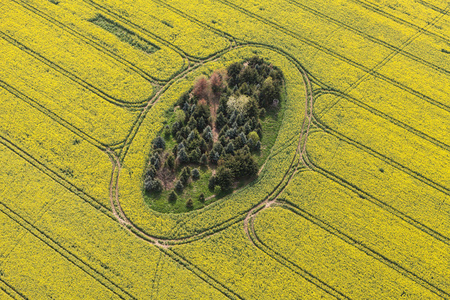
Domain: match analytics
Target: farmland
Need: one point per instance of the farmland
(352, 201)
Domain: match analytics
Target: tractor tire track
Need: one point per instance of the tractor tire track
(69, 75)
(399, 20)
(366, 196)
(92, 43)
(369, 37)
(364, 248)
(35, 104)
(386, 117)
(382, 157)
(338, 56)
(383, 62)
(293, 266)
(11, 291)
(68, 255)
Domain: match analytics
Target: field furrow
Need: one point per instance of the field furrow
(400, 104)
(49, 90)
(95, 242)
(54, 146)
(390, 141)
(7, 291)
(252, 274)
(323, 254)
(386, 183)
(76, 19)
(372, 229)
(154, 18)
(38, 270)
(73, 54)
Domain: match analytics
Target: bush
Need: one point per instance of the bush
(254, 136)
(153, 185)
(179, 186)
(212, 183)
(224, 178)
(201, 198)
(195, 174)
(172, 197)
(190, 203)
(180, 116)
(159, 143)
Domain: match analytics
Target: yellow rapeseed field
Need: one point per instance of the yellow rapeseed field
(51, 43)
(353, 201)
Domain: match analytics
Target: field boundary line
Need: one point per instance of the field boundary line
(362, 247)
(338, 56)
(69, 75)
(90, 42)
(368, 36)
(68, 255)
(380, 114)
(10, 290)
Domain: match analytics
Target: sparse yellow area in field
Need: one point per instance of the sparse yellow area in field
(353, 201)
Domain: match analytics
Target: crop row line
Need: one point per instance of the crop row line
(33, 103)
(388, 118)
(371, 198)
(337, 55)
(369, 37)
(315, 280)
(53, 244)
(386, 207)
(382, 63)
(380, 156)
(201, 274)
(10, 290)
(366, 196)
(398, 20)
(196, 21)
(143, 31)
(68, 255)
(364, 248)
(67, 74)
(90, 42)
(56, 177)
(429, 5)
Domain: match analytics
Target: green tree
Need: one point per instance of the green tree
(224, 178)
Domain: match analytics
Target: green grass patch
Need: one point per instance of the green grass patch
(124, 34)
